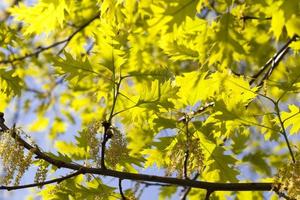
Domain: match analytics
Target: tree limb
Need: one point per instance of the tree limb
(147, 184)
(107, 135)
(199, 111)
(274, 61)
(255, 18)
(57, 180)
(211, 186)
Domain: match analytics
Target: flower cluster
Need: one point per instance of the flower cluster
(41, 173)
(93, 141)
(177, 154)
(117, 150)
(288, 180)
(14, 160)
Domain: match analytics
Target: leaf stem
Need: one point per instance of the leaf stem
(283, 132)
(115, 97)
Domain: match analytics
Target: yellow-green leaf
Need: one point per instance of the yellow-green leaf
(277, 23)
(39, 124)
(44, 16)
(292, 118)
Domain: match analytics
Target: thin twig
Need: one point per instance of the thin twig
(121, 190)
(125, 109)
(255, 18)
(188, 189)
(107, 135)
(147, 184)
(57, 180)
(185, 163)
(107, 124)
(187, 146)
(284, 133)
(42, 49)
(116, 94)
(290, 117)
(186, 156)
(277, 57)
(199, 111)
(208, 193)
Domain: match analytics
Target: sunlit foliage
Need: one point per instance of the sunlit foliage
(188, 87)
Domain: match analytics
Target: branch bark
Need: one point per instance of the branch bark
(284, 133)
(57, 180)
(274, 61)
(106, 125)
(188, 189)
(209, 186)
(208, 193)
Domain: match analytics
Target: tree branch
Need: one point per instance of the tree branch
(188, 189)
(185, 164)
(107, 135)
(274, 61)
(187, 146)
(121, 190)
(255, 18)
(208, 193)
(186, 153)
(201, 110)
(155, 184)
(57, 180)
(211, 186)
(42, 49)
(115, 97)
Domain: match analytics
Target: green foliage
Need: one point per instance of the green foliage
(74, 68)
(11, 84)
(78, 188)
(52, 16)
(292, 118)
(171, 78)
